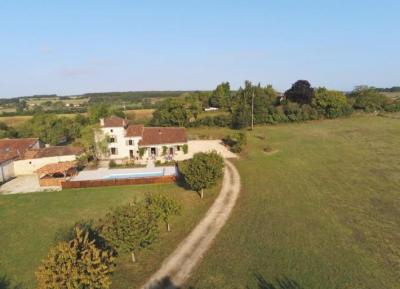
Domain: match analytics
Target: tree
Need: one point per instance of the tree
(129, 228)
(202, 171)
(76, 264)
(300, 92)
(163, 207)
(221, 95)
(332, 103)
(172, 112)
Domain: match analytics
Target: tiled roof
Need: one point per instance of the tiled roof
(52, 152)
(134, 130)
(163, 135)
(14, 148)
(114, 121)
(54, 168)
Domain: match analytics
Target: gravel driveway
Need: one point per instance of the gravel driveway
(175, 270)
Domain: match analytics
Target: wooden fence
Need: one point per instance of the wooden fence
(117, 182)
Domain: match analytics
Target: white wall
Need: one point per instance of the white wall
(6, 171)
(121, 143)
(26, 167)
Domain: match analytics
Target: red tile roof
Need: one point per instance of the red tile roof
(114, 121)
(54, 168)
(134, 130)
(14, 148)
(163, 135)
(52, 152)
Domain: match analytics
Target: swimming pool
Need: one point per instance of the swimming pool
(136, 175)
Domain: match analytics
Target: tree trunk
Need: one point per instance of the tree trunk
(201, 193)
(133, 257)
(168, 227)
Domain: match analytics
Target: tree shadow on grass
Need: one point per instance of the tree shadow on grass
(5, 283)
(280, 283)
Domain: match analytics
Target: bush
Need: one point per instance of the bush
(163, 207)
(369, 99)
(185, 149)
(76, 264)
(236, 141)
(203, 171)
(331, 103)
(112, 164)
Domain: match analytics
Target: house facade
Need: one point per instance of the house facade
(137, 142)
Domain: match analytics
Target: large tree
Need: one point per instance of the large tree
(300, 92)
(76, 264)
(221, 95)
(172, 112)
(202, 171)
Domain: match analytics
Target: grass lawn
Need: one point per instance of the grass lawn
(30, 224)
(320, 209)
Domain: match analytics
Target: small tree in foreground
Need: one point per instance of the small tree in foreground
(202, 171)
(76, 264)
(163, 207)
(130, 228)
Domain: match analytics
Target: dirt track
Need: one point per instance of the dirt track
(176, 269)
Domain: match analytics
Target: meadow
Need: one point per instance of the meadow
(319, 208)
(32, 223)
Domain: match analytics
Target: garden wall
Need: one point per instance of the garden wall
(117, 182)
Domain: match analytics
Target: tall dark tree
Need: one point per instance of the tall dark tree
(300, 92)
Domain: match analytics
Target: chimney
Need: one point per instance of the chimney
(102, 121)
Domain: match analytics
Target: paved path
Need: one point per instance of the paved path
(175, 270)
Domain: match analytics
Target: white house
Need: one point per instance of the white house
(137, 142)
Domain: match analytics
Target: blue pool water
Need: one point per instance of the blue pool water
(135, 175)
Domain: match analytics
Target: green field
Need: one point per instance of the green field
(31, 223)
(319, 208)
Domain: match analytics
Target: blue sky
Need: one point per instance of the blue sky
(72, 47)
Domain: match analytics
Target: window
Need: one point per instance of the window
(112, 139)
(111, 130)
(130, 142)
(178, 148)
(113, 151)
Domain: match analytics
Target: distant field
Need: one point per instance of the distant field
(30, 224)
(140, 115)
(137, 116)
(319, 208)
(39, 101)
(392, 94)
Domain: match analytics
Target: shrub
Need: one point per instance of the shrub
(331, 103)
(236, 141)
(76, 264)
(112, 164)
(164, 150)
(368, 99)
(202, 171)
(185, 149)
(142, 152)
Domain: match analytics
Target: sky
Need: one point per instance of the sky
(71, 47)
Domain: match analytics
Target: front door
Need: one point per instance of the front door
(131, 154)
(171, 151)
(153, 151)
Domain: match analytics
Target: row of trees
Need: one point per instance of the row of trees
(254, 104)
(86, 255)
(86, 258)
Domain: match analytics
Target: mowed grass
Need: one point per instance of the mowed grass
(31, 223)
(319, 209)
